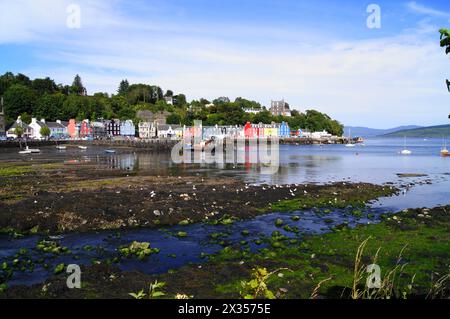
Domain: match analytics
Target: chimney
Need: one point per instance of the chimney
(33, 120)
(43, 121)
(58, 121)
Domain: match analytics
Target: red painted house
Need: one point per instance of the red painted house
(85, 129)
(248, 130)
(72, 129)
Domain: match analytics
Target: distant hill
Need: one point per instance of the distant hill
(430, 131)
(369, 132)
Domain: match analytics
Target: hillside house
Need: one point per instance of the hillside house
(278, 108)
(27, 130)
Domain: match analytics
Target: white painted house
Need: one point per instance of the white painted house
(36, 126)
(166, 130)
(147, 130)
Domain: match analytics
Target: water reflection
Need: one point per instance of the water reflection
(376, 162)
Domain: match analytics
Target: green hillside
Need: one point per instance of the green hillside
(430, 131)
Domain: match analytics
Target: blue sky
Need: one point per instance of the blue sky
(315, 54)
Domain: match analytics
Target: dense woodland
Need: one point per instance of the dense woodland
(43, 98)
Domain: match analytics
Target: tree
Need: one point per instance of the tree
(445, 43)
(18, 99)
(22, 79)
(77, 86)
(180, 101)
(263, 117)
(6, 80)
(169, 93)
(45, 131)
(18, 131)
(124, 87)
(50, 106)
(43, 86)
(445, 39)
(26, 118)
(247, 104)
(119, 102)
(75, 106)
(173, 119)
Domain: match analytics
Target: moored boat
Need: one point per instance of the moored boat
(405, 151)
(444, 150)
(349, 144)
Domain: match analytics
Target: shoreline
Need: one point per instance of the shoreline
(166, 144)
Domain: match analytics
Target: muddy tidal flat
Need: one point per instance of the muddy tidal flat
(131, 219)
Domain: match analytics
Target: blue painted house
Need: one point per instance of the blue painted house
(284, 130)
(127, 128)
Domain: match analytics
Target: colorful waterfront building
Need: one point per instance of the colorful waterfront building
(112, 128)
(72, 130)
(85, 129)
(248, 130)
(147, 130)
(271, 131)
(57, 129)
(98, 130)
(284, 130)
(127, 128)
(26, 129)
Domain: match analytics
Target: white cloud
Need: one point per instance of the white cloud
(421, 9)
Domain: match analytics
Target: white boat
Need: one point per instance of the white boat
(405, 151)
(110, 151)
(82, 147)
(349, 144)
(30, 150)
(61, 147)
(444, 150)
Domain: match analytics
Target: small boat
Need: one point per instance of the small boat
(61, 147)
(82, 147)
(405, 151)
(349, 144)
(30, 150)
(110, 151)
(444, 150)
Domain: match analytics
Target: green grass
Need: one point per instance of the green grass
(15, 171)
(423, 244)
(357, 198)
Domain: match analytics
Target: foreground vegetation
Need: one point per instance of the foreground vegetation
(411, 247)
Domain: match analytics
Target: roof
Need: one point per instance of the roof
(149, 116)
(22, 125)
(164, 127)
(54, 125)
